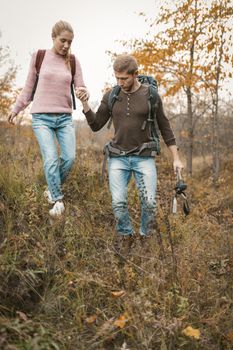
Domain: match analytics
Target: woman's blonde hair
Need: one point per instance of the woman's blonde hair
(57, 29)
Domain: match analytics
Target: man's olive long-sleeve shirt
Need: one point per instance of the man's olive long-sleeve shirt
(129, 113)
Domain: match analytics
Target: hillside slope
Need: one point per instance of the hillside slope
(63, 285)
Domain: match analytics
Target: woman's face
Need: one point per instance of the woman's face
(62, 42)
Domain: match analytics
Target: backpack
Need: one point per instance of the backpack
(153, 104)
(39, 59)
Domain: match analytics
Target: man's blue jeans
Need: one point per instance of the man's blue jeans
(48, 128)
(120, 172)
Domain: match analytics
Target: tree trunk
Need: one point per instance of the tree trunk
(190, 133)
(215, 143)
(216, 158)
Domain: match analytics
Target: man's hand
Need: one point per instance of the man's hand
(11, 117)
(82, 94)
(177, 165)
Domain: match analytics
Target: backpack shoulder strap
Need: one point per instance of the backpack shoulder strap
(153, 101)
(153, 97)
(112, 97)
(73, 66)
(39, 59)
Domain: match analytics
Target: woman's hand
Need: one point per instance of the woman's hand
(11, 117)
(82, 94)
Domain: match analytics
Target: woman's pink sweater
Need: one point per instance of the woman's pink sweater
(53, 93)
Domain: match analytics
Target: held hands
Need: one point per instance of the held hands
(82, 94)
(11, 117)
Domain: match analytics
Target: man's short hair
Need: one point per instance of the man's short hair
(125, 63)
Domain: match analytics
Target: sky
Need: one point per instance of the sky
(99, 25)
(25, 26)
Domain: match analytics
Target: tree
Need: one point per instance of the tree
(7, 77)
(178, 55)
(173, 55)
(219, 54)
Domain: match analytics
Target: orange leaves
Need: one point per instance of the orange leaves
(189, 48)
(210, 46)
(118, 294)
(192, 332)
(118, 322)
(91, 319)
(121, 321)
(226, 58)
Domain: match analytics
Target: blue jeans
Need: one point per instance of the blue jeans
(120, 172)
(48, 128)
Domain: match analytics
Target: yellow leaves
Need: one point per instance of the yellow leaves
(121, 321)
(118, 294)
(192, 332)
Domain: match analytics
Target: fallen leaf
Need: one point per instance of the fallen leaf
(118, 294)
(229, 336)
(22, 316)
(191, 332)
(2, 206)
(91, 319)
(121, 321)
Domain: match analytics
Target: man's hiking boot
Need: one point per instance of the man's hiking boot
(57, 209)
(123, 244)
(48, 196)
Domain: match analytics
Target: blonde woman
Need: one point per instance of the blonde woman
(52, 110)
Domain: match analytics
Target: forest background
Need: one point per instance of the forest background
(63, 287)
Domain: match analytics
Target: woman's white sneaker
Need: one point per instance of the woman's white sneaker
(48, 196)
(57, 209)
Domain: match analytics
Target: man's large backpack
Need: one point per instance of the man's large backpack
(39, 59)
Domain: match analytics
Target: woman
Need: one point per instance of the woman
(51, 110)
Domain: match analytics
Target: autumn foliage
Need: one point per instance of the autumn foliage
(63, 286)
(191, 55)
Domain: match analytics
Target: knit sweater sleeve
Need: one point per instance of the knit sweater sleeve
(97, 120)
(164, 125)
(78, 78)
(24, 98)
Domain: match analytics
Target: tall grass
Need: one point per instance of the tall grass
(64, 287)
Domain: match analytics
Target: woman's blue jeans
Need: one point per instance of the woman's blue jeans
(50, 128)
(121, 170)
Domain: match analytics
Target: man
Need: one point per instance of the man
(128, 154)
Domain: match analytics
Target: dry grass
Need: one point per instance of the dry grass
(60, 278)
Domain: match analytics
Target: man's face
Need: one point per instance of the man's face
(125, 80)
